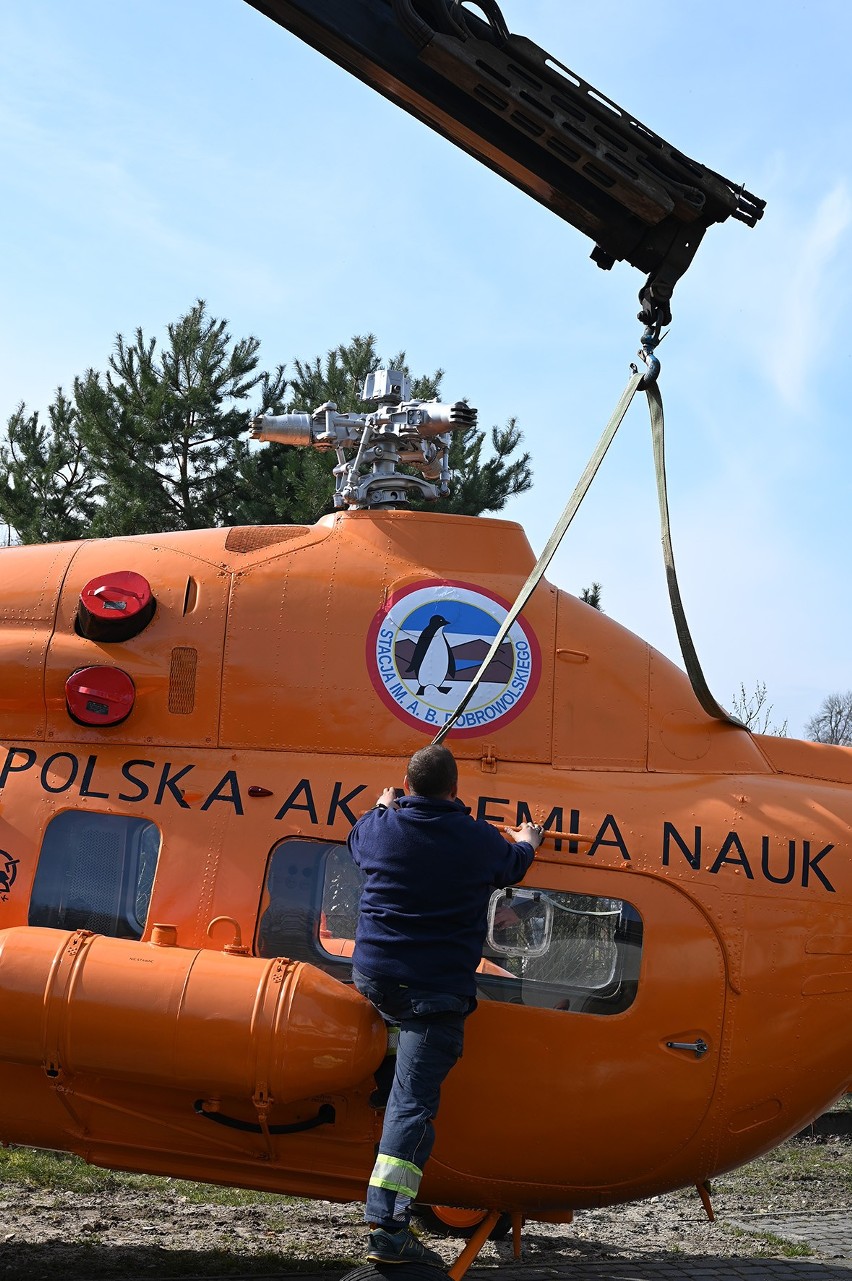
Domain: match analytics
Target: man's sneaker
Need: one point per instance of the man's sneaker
(400, 1247)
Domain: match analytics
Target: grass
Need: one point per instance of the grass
(789, 1167)
(62, 1172)
(777, 1245)
(812, 1169)
(794, 1163)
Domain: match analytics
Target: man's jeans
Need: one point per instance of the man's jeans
(431, 1036)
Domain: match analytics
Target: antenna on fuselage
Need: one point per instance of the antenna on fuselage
(400, 432)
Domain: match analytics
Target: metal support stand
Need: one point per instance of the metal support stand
(474, 1245)
(517, 1225)
(703, 1190)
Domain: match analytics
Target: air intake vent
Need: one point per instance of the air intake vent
(182, 681)
(253, 537)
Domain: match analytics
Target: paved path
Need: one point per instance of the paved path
(829, 1232)
(685, 1268)
(676, 1268)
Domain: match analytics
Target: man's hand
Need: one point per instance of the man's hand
(388, 798)
(533, 833)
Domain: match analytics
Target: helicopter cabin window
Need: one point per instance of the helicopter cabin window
(545, 948)
(95, 872)
(561, 951)
(309, 907)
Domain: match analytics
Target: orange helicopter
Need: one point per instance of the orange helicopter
(191, 723)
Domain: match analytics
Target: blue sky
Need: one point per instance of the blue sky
(153, 153)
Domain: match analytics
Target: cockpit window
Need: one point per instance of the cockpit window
(95, 872)
(545, 948)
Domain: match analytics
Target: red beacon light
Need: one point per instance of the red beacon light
(114, 607)
(99, 696)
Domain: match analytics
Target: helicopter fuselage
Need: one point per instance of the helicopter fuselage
(681, 1005)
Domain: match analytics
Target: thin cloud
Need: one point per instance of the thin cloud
(811, 295)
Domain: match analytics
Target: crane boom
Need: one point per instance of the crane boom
(506, 101)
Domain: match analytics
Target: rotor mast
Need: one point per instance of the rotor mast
(372, 448)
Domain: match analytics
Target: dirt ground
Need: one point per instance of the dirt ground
(132, 1230)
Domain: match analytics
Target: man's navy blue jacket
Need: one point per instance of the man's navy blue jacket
(429, 869)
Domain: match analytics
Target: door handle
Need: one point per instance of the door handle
(698, 1047)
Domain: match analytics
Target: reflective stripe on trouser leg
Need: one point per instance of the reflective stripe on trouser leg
(428, 1048)
(395, 1175)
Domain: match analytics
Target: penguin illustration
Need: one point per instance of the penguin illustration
(432, 660)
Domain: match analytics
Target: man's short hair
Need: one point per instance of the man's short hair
(433, 771)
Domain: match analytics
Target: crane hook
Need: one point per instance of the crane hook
(650, 340)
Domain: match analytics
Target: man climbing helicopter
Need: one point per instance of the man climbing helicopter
(429, 871)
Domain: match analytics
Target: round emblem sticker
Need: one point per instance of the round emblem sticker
(426, 645)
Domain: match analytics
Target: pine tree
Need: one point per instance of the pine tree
(167, 425)
(592, 596)
(48, 484)
(160, 441)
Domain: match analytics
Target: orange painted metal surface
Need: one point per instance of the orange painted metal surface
(454, 1217)
(266, 712)
(177, 1018)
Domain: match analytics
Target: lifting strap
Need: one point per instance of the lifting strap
(700, 687)
(690, 658)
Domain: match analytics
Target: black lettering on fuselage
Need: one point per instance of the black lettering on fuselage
(85, 785)
(553, 822)
(50, 765)
(168, 782)
(786, 878)
(9, 766)
(692, 853)
(127, 772)
(776, 864)
(810, 865)
(738, 859)
(339, 802)
(231, 796)
(303, 787)
(482, 812)
(574, 826)
(616, 840)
